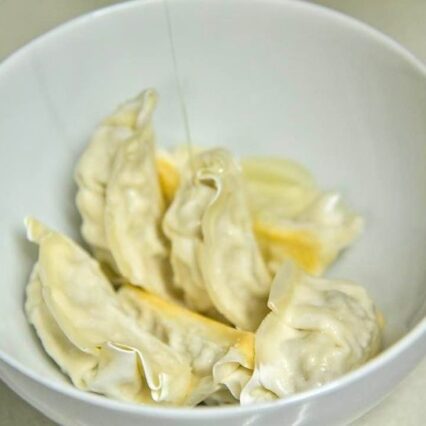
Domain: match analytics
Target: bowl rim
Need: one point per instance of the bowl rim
(417, 333)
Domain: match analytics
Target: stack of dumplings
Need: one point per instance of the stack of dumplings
(203, 284)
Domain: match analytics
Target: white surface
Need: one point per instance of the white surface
(383, 131)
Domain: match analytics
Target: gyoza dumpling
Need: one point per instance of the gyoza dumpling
(133, 214)
(293, 219)
(120, 197)
(76, 311)
(313, 239)
(278, 186)
(216, 352)
(78, 365)
(94, 167)
(182, 225)
(317, 330)
(111, 371)
(215, 257)
(98, 338)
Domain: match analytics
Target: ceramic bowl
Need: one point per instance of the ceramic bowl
(259, 76)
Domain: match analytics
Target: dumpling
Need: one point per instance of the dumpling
(99, 337)
(112, 371)
(313, 239)
(120, 197)
(182, 225)
(215, 351)
(215, 258)
(277, 186)
(235, 274)
(317, 330)
(77, 364)
(76, 312)
(293, 219)
(133, 213)
(94, 167)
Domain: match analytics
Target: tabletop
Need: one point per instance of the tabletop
(402, 20)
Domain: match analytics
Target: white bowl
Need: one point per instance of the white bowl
(271, 77)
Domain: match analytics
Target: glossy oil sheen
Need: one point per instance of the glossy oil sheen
(265, 77)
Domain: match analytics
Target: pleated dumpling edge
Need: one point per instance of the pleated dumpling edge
(128, 344)
(214, 254)
(317, 330)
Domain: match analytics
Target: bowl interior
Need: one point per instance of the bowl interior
(266, 77)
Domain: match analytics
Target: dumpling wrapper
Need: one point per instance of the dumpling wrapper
(112, 372)
(277, 186)
(94, 166)
(100, 341)
(85, 313)
(293, 219)
(133, 214)
(215, 258)
(182, 225)
(214, 350)
(120, 197)
(77, 364)
(317, 330)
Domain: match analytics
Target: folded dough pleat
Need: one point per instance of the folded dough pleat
(133, 215)
(81, 312)
(317, 330)
(77, 364)
(121, 201)
(294, 219)
(130, 345)
(214, 255)
(218, 354)
(112, 371)
(94, 166)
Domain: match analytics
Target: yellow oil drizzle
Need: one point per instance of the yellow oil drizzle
(176, 74)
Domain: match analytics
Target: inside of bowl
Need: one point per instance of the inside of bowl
(261, 77)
